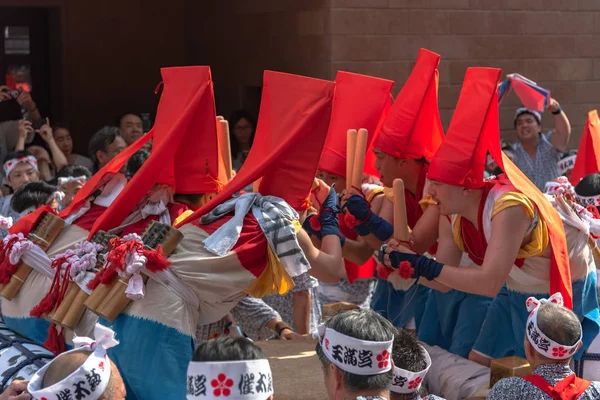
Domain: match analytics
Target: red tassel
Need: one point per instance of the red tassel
(6, 268)
(56, 341)
(405, 270)
(314, 223)
(55, 293)
(46, 304)
(349, 220)
(156, 259)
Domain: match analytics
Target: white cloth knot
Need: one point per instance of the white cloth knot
(87, 247)
(133, 236)
(532, 303)
(104, 339)
(134, 264)
(5, 223)
(82, 264)
(18, 250)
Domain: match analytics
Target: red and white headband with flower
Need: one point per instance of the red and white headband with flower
(588, 200)
(246, 379)
(540, 342)
(405, 382)
(63, 180)
(12, 163)
(360, 357)
(567, 163)
(88, 381)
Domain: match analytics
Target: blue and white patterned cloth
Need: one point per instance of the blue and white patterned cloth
(359, 292)
(545, 166)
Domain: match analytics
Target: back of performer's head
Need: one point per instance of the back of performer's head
(229, 366)
(563, 329)
(34, 195)
(588, 189)
(136, 161)
(364, 325)
(410, 356)
(228, 348)
(67, 363)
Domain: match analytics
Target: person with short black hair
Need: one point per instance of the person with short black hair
(553, 334)
(229, 367)
(411, 364)
(34, 195)
(105, 144)
(587, 191)
(136, 161)
(241, 136)
(70, 180)
(20, 168)
(535, 153)
(355, 351)
(131, 126)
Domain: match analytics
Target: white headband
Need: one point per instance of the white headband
(12, 163)
(360, 357)
(89, 381)
(68, 179)
(525, 110)
(588, 201)
(246, 379)
(405, 382)
(540, 342)
(567, 163)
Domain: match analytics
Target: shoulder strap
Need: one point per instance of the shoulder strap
(569, 388)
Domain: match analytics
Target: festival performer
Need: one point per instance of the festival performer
(411, 364)
(355, 350)
(229, 367)
(82, 373)
(410, 135)
(506, 226)
(360, 102)
(553, 335)
(236, 247)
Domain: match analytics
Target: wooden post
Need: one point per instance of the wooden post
(350, 152)
(225, 147)
(400, 223)
(359, 158)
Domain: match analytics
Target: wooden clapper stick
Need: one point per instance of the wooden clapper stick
(225, 146)
(400, 232)
(356, 149)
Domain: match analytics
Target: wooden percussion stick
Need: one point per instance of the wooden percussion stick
(220, 118)
(400, 223)
(225, 146)
(350, 151)
(359, 158)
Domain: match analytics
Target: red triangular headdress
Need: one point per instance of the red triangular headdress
(359, 102)
(292, 126)
(413, 128)
(588, 155)
(461, 158)
(184, 151)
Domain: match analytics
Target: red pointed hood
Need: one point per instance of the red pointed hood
(413, 128)
(588, 155)
(292, 127)
(460, 160)
(184, 152)
(359, 102)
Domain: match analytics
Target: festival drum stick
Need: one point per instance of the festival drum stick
(220, 118)
(225, 146)
(400, 224)
(359, 158)
(46, 230)
(256, 185)
(66, 302)
(350, 151)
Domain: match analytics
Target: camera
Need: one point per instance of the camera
(12, 93)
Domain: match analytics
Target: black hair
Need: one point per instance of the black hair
(192, 199)
(136, 161)
(74, 170)
(235, 117)
(589, 185)
(362, 324)
(33, 194)
(408, 355)
(120, 117)
(559, 323)
(228, 348)
(10, 110)
(16, 154)
(101, 140)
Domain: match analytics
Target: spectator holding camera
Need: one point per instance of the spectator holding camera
(47, 165)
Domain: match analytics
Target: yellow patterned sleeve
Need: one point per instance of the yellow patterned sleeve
(372, 193)
(539, 235)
